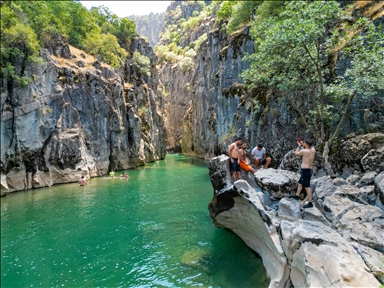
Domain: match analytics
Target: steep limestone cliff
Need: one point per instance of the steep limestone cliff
(149, 26)
(209, 105)
(79, 117)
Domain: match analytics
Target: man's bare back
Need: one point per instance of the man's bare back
(308, 156)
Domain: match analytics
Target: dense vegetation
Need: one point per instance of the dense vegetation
(296, 50)
(174, 45)
(28, 25)
(297, 47)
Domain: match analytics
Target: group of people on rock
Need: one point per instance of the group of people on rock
(238, 158)
(259, 160)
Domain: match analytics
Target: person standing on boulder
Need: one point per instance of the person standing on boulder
(308, 156)
(233, 153)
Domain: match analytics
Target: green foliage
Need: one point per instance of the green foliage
(143, 110)
(190, 53)
(36, 21)
(186, 64)
(292, 51)
(125, 31)
(161, 51)
(241, 14)
(19, 44)
(228, 136)
(200, 40)
(226, 9)
(268, 9)
(107, 47)
(170, 56)
(141, 62)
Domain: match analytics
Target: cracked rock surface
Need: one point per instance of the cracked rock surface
(337, 243)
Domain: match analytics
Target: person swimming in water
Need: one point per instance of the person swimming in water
(82, 181)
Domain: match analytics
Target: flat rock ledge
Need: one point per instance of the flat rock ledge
(337, 243)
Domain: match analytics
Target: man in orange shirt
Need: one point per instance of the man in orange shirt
(244, 164)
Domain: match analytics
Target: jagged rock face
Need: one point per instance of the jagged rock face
(149, 26)
(379, 190)
(186, 11)
(279, 183)
(338, 242)
(361, 153)
(239, 208)
(322, 258)
(213, 106)
(78, 117)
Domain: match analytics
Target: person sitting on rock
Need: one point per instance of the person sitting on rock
(243, 159)
(259, 157)
(112, 174)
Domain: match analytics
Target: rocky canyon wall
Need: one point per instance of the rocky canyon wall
(207, 106)
(149, 26)
(78, 117)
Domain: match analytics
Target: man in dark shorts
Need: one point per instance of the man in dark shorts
(308, 155)
(233, 153)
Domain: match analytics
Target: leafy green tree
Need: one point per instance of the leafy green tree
(242, 14)
(107, 47)
(141, 62)
(19, 45)
(268, 9)
(226, 9)
(292, 53)
(125, 31)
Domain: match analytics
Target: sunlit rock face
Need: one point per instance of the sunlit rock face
(358, 154)
(338, 242)
(78, 117)
(209, 104)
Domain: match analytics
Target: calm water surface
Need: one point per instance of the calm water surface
(152, 230)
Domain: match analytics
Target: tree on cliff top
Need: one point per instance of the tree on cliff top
(297, 51)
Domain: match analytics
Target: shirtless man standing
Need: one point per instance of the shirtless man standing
(308, 155)
(233, 153)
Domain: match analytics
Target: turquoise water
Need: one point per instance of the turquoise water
(152, 230)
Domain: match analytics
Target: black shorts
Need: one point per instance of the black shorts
(234, 167)
(263, 161)
(305, 177)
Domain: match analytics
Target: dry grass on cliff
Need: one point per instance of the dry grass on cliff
(80, 55)
(369, 9)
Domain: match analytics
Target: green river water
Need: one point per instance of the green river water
(152, 230)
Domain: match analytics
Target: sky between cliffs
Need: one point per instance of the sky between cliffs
(126, 8)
